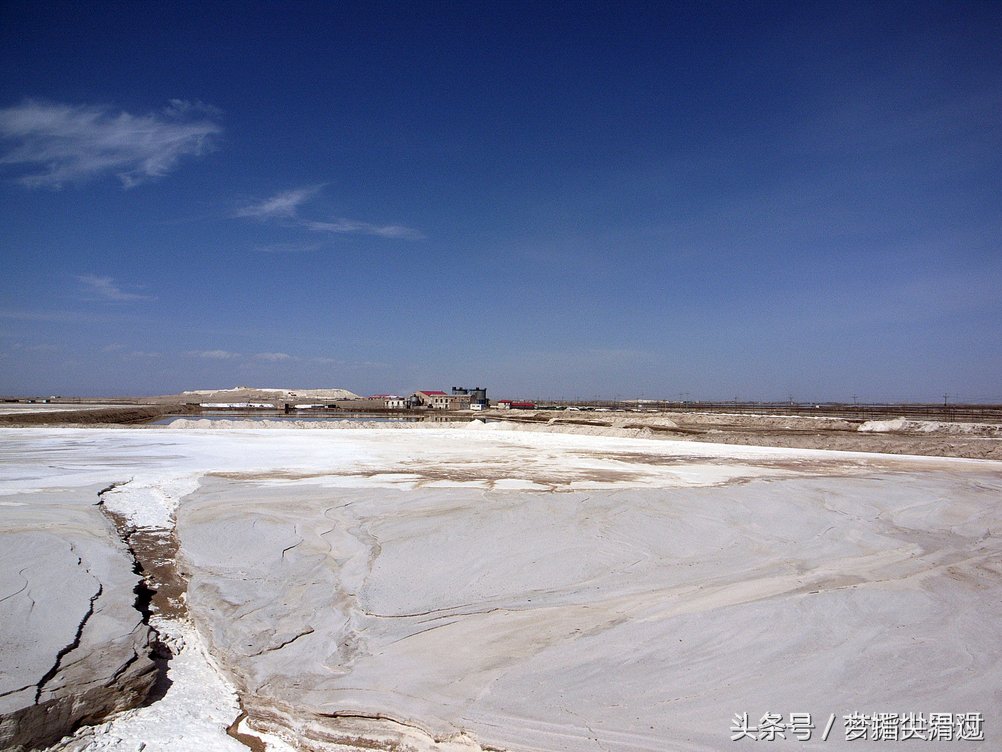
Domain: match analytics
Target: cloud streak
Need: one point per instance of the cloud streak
(213, 354)
(274, 357)
(55, 144)
(284, 207)
(303, 247)
(342, 226)
(105, 288)
(61, 317)
(271, 357)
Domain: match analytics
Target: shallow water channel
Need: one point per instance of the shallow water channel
(326, 417)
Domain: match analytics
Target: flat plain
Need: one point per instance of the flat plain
(488, 587)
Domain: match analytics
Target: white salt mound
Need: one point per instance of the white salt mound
(903, 425)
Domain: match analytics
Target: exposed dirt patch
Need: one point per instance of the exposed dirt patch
(275, 475)
(161, 590)
(155, 553)
(473, 473)
(492, 475)
(813, 466)
(254, 743)
(126, 415)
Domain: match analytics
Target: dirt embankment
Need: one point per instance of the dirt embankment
(123, 415)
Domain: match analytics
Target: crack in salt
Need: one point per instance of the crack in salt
(307, 631)
(47, 677)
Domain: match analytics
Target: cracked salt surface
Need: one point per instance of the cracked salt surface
(193, 715)
(149, 502)
(200, 704)
(546, 592)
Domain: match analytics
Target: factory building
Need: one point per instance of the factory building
(477, 395)
(437, 400)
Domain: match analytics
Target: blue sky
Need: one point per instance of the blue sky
(751, 200)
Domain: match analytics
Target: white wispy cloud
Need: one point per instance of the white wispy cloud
(301, 247)
(59, 143)
(180, 108)
(273, 356)
(364, 228)
(105, 288)
(66, 317)
(285, 207)
(121, 350)
(213, 354)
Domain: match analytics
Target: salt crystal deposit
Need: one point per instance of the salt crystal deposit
(461, 589)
